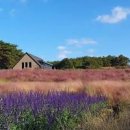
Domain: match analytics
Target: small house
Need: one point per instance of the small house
(29, 61)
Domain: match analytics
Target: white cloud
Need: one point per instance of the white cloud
(75, 46)
(61, 47)
(63, 52)
(81, 42)
(118, 14)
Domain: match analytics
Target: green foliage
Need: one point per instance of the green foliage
(98, 117)
(67, 121)
(122, 60)
(95, 108)
(30, 122)
(9, 55)
(65, 64)
(92, 62)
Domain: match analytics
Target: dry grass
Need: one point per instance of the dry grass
(71, 86)
(116, 90)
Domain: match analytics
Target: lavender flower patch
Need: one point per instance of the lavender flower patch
(40, 111)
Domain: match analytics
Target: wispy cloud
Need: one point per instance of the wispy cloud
(118, 14)
(63, 52)
(12, 12)
(75, 46)
(61, 48)
(80, 42)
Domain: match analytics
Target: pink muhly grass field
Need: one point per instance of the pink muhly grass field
(65, 75)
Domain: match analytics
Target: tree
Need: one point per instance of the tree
(9, 55)
(123, 61)
(120, 61)
(93, 62)
(107, 61)
(65, 64)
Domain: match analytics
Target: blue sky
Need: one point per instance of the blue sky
(55, 29)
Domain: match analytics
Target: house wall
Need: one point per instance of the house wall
(27, 59)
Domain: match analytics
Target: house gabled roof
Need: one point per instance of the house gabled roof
(34, 57)
(38, 60)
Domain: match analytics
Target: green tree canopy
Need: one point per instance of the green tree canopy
(92, 62)
(65, 64)
(9, 55)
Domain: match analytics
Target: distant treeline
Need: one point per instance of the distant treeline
(9, 55)
(92, 62)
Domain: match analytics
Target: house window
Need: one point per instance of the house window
(30, 64)
(22, 65)
(26, 64)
